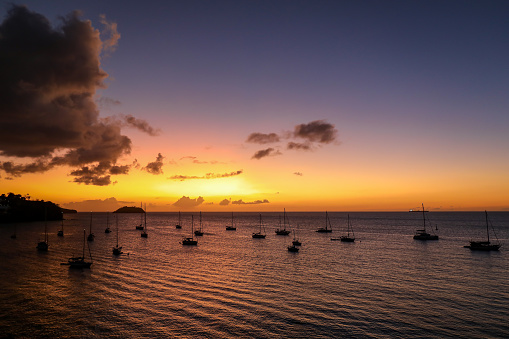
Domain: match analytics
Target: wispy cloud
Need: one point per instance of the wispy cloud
(109, 45)
(299, 146)
(256, 202)
(141, 125)
(298, 174)
(265, 153)
(195, 160)
(261, 138)
(206, 176)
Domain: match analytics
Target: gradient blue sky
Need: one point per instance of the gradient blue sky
(418, 90)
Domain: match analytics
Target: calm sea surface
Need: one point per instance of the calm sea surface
(385, 285)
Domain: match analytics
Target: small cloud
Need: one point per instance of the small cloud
(261, 138)
(298, 174)
(188, 202)
(141, 125)
(206, 176)
(225, 202)
(105, 102)
(110, 44)
(155, 167)
(136, 164)
(265, 153)
(299, 146)
(316, 131)
(256, 202)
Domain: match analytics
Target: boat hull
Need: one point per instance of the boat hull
(323, 230)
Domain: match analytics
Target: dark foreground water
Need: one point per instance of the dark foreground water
(385, 285)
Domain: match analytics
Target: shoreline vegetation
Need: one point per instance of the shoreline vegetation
(18, 208)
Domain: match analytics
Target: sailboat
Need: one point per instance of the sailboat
(13, 236)
(347, 237)
(327, 223)
(200, 231)
(107, 230)
(190, 241)
(61, 231)
(178, 226)
(91, 235)
(293, 248)
(117, 250)
(283, 231)
(43, 245)
(422, 234)
(144, 234)
(79, 262)
(295, 241)
(484, 245)
(232, 227)
(259, 235)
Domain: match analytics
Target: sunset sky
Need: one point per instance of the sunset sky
(256, 105)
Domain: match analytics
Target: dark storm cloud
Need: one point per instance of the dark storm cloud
(188, 202)
(261, 138)
(206, 176)
(265, 153)
(256, 202)
(155, 167)
(316, 131)
(47, 86)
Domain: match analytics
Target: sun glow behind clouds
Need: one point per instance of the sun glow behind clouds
(224, 187)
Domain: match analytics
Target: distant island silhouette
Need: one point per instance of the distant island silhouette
(18, 208)
(130, 209)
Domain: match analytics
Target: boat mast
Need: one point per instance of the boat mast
(116, 222)
(84, 239)
(192, 226)
(487, 229)
(423, 218)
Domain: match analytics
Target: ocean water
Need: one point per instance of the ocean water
(385, 285)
